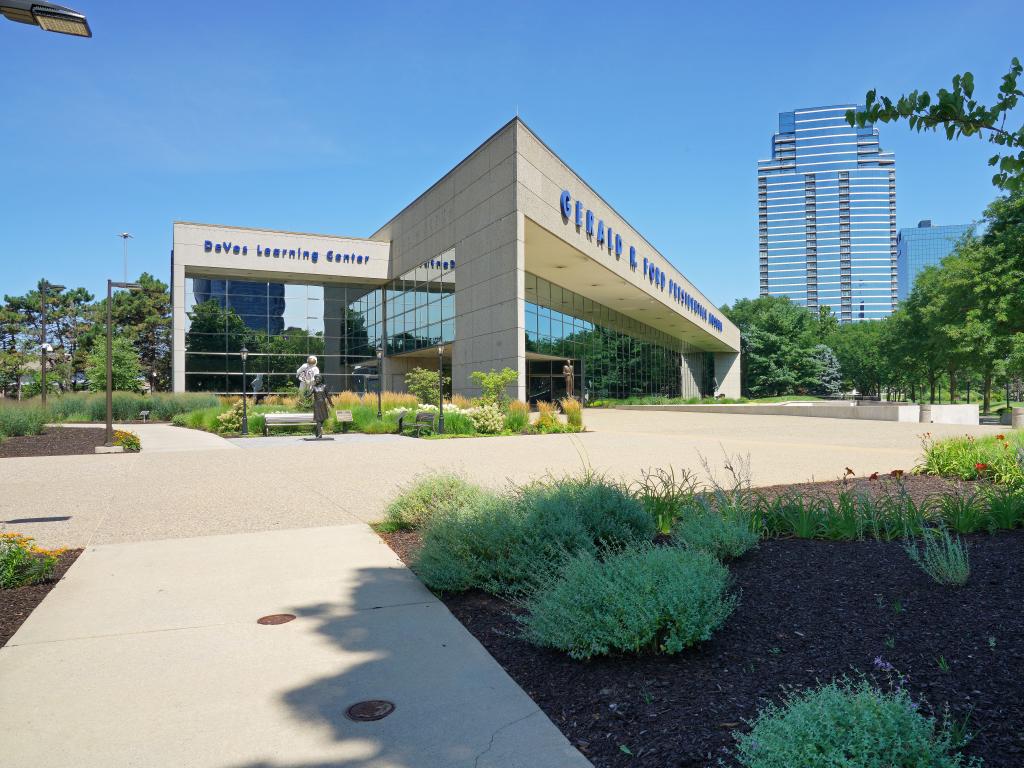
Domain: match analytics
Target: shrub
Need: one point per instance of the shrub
(426, 497)
(999, 458)
(488, 419)
(128, 441)
(231, 419)
(21, 418)
(942, 557)
(547, 416)
(660, 599)
(723, 531)
(424, 385)
(92, 406)
(509, 544)
(573, 411)
(494, 384)
(22, 563)
(517, 416)
(124, 367)
(1005, 508)
(850, 724)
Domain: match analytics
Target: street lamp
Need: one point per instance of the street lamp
(244, 353)
(125, 236)
(49, 16)
(380, 380)
(44, 348)
(440, 390)
(111, 285)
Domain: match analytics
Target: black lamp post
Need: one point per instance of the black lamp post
(380, 380)
(244, 353)
(440, 390)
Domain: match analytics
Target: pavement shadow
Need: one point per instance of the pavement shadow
(400, 645)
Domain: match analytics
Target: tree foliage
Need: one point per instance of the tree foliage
(125, 367)
(958, 113)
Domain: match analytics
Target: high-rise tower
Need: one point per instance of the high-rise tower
(827, 215)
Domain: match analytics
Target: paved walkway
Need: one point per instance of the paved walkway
(148, 654)
(289, 483)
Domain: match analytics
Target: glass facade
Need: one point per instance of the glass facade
(281, 324)
(421, 306)
(923, 246)
(614, 355)
(827, 215)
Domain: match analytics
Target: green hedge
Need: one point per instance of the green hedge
(849, 724)
(655, 599)
(21, 418)
(510, 544)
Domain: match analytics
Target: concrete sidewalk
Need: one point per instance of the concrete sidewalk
(149, 654)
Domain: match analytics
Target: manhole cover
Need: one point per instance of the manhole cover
(365, 711)
(275, 618)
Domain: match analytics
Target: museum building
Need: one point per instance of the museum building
(510, 260)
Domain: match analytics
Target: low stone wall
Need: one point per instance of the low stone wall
(846, 409)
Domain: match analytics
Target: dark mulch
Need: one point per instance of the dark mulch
(809, 611)
(918, 487)
(16, 604)
(54, 441)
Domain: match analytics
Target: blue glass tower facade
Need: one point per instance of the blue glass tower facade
(923, 246)
(827, 215)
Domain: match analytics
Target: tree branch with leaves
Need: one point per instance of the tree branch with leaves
(958, 113)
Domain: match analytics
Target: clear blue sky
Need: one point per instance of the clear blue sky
(330, 117)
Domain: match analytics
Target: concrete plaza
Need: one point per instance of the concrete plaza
(187, 483)
(148, 652)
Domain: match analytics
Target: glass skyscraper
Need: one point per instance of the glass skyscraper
(923, 246)
(827, 215)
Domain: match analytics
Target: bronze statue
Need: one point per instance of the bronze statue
(569, 374)
(322, 401)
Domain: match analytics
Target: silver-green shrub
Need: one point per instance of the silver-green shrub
(427, 497)
(658, 599)
(942, 556)
(510, 544)
(850, 724)
(722, 529)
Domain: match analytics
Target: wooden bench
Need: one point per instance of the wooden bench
(285, 420)
(424, 421)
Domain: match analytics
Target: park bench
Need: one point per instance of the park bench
(285, 420)
(292, 419)
(424, 421)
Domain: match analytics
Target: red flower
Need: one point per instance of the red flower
(896, 473)
(873, 476)
(981, 466)
(1000, 437)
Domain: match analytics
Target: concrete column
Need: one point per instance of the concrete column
(178, 328)
(727, 371)
(1017, 418)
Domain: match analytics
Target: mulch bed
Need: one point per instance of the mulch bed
(809, 611)
(918, 487)
(54, 441)
(16, 604)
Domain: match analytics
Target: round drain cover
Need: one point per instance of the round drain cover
(275, 618)
(365, 711)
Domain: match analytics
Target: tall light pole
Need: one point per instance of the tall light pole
(44, 286)
(111, 285)
(380, 380)
(48, 16)
(244, 354)
(125, 236)
(440, 390)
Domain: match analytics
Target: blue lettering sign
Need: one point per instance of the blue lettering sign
(590, 223)
(600, 232)
(207, 246)
(565, 204)
(579, 214)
